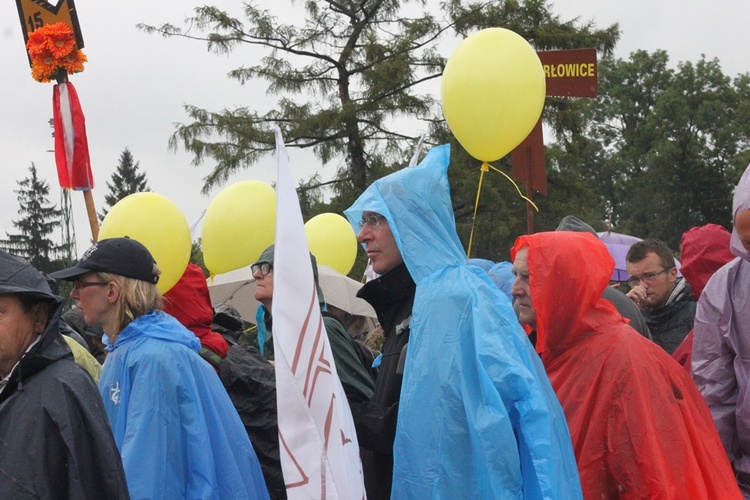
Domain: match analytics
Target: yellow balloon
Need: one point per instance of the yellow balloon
(240, 223)
(332, 241)
(492, 92)
(155, 221)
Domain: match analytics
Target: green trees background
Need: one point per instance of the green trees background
(355, 82)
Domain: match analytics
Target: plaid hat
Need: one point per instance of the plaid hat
(121, 256)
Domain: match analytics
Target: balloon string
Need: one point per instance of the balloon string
(514, 185)
(484, 168)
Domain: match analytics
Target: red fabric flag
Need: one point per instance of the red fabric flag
(71, 145)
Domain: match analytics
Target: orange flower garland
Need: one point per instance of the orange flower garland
(53, 47)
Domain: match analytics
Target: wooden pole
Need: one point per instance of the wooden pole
(91, 211)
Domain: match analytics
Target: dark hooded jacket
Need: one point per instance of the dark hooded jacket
(55, 440)
(392, 297)
(669, 325)
(640, 428)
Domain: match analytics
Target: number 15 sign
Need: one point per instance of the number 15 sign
(37, 13)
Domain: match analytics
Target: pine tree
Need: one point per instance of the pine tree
(38, 221)
(126, 180)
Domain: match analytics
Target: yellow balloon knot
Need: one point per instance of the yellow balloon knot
(485, 167)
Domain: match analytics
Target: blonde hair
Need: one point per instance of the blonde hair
(137, 297)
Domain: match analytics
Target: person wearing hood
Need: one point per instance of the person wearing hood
(476, 414)
(721, 343)
(355, 379)
(178, 434)
(664, 299)
(55, 440)
(705, 250)
(640, 428)
(621, 302)
(189, 301)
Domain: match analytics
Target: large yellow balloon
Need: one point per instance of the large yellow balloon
(159, 224)
(492, 92)
(332, 241)
(239, 224)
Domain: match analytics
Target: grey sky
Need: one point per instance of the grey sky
(134, 86)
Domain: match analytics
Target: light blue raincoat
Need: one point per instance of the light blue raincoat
(173, 422)
(477, 417)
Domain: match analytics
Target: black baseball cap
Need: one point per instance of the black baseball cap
(123, 256)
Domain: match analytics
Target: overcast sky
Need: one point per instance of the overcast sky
(135, 85)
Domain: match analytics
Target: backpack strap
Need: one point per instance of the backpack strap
(210, 356)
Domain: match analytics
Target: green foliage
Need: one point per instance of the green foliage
(670, 144)
(341, 77)
(196, 256)
(126, 180)
(39, 219)
(345, 75)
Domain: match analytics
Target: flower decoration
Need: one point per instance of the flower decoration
(51, 48)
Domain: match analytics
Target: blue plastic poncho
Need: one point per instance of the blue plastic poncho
(174, 424)
(477, 415)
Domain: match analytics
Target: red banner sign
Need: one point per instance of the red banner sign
(570, 73)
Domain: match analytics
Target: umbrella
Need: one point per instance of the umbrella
(618, 245)
(237, 289)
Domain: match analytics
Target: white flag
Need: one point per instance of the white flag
(317, 440)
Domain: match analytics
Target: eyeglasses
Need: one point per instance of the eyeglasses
(371, 221)
(80, 285)
(647, 277)
(263, 267)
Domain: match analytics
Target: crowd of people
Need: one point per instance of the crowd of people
(533, 378)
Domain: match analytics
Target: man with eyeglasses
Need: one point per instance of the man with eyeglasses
(476, 414)
(663, 298)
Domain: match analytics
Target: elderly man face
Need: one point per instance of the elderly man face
(19, 327)
(380, 244)
(521, 291)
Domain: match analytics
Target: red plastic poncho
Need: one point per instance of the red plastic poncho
(705, 249)
(189, 301)
(639, 426)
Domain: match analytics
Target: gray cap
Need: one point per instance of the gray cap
(574, 224)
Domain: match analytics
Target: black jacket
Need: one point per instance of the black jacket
(55, 439)
(670, 324)
(392, 297)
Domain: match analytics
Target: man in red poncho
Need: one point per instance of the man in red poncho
(639, 426)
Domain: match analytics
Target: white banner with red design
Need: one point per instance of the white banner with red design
(318, 443)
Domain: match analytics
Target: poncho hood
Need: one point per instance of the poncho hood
(704, 250)
(417, 205)
(582, 265)
(740, 202)
(157, 325)
(189, 301)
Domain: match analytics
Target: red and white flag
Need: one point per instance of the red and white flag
(317, 440)
(71, 145)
